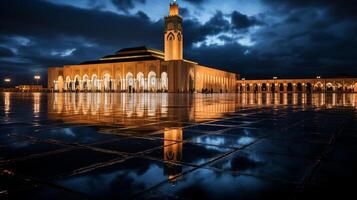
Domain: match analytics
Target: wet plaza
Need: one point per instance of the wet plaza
(177, 146)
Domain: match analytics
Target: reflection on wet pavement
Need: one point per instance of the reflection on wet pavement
(180, 146)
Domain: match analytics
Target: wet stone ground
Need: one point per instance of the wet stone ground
(177, 146)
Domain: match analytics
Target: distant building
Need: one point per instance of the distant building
(29, 88)
(143, 69)
(318, 84)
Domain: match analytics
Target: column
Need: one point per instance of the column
(244, 87)
(122, 85)
(304, 87)
(80, 85)
(73, 88)
(294, 87)
(146, 84)
(285, 87)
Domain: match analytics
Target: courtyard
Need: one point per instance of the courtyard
(177, 146)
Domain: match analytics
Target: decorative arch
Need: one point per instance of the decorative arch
(68, 83)
(152, 82)
(309, 87)
(273, 87)
(281, 87)
(77, 81)
(130, 82)
(170, 37)
(290, 87)
(330, 87)
(85, 83)
(255, 87)
(95, 83)
(264, 87)
(141, 81)
(339, 87)
(179, 36)
(318, 86)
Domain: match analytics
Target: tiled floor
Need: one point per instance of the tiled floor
(177, 146)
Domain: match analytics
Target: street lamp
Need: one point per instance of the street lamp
(318, 77)
(274, 78)
(37, 78)
(7, 82)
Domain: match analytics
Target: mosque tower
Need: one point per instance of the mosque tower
(173, 34)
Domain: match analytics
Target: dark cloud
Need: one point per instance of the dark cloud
(196, 2)
(344, 8)
(48, 20)
(308, 38)
(291, 38)
(126, 5)
(241, 21)
(54, 30)
(4, 52)
(194, 31)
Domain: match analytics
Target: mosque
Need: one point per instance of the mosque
(143, 69)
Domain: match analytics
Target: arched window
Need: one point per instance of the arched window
(170, 37)
(290, 87)
(152, 81)
(179, 37)
(329, 87)
(76, 85)
(95, 83)
(67, 86)
(141, 81)
(130, 82)
(85, 83)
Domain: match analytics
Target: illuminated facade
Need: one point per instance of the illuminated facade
(299, 85)
(142, 69)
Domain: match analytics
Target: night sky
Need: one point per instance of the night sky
(256, 38)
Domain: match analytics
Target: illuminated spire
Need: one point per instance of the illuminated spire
(174, 9)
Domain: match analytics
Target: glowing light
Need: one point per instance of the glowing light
(7, 103)
(7, 80)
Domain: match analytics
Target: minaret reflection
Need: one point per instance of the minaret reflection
(172, 153)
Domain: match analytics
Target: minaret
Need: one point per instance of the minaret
(173, 34)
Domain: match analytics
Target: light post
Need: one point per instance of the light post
(7, 82)
(37, 78)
